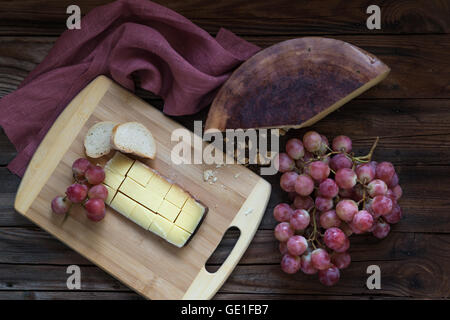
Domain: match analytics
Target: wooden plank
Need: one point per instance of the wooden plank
(133, 255)
(424, 201)
(397, 122)
(255, 17)
(34, 246)
(420, 63)
(423, 275)
(120, 295)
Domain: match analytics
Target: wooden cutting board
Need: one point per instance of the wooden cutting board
(141, 260)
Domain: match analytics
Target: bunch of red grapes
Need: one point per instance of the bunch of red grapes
(334, 195)
(87, 190)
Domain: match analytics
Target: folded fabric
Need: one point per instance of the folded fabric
(129, 40)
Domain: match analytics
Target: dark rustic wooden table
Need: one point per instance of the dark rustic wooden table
(410, 111)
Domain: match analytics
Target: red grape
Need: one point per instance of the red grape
(376, 188)
(391, 195)
(381, 205)
(324, 145)
(76, 192)
(344, 247)
(287, 181)
(95, 174)
(290, 264)
(312, 141)
(358, 192)
(334, 238)
(340, 161)
(381, 230)
(98, 191)
(306, 264)
(96, 216)
(94, 206)
(301, 202)
(346, 209)
(79, 167)
(282, 247)
(283, 231)
(324, 204)
(95, 209)
(395, 215)
(394, 181)
(342, 143)
(346, 229)
(297, 245)
(398, 192)
(363, 220)
(354, 229)
(318, 170)
(346, 193)
(300, 219)
(301, 163)
(282, 212)
(365, 173)
(320, 259)
(60, 205)
(284, 163)
(304, 185)
(329, 219)
(345, 178)
(328, 188)
(341, 260)
(385, 171)
(295, 149)
(330, 276)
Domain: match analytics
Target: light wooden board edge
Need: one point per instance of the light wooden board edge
(54, 146)
(247, 220)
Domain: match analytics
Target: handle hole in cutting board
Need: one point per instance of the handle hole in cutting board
(223, 250)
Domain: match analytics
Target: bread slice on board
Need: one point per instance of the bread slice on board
(98, 137)
(135, 138)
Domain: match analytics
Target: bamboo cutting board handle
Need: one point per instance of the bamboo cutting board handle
(247, 220)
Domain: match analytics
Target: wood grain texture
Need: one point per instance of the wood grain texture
(141, 260)
(420, 64)
(262, 17)
(409, 110)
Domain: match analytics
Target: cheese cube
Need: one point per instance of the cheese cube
(113, 179)
(169, 211)
(177, 236)
(160, 226)
(111, 194)
(123, 204)
(140, 173)
(177, 196)
(158, 185)
(133, 189)
(142, 216)
(188, 221)
(193, 207)
(119, 163)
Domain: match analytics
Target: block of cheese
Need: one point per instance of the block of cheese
(142, 195)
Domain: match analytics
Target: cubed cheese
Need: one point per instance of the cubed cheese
(140, 173)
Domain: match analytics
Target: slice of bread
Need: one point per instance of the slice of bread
(97, 140)
(135, 138)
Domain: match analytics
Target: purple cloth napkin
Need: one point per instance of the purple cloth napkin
(124, 40)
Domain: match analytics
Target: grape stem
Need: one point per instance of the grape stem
(313, 236)
(368, 157)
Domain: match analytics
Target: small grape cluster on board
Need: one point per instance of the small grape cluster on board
(334, 194)
(87, 190)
